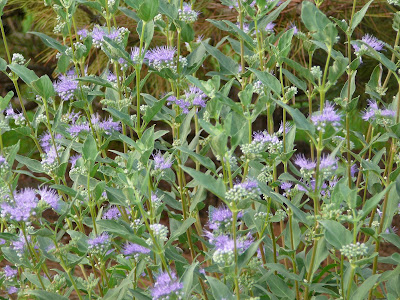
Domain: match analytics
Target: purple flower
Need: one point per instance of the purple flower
(353, 170)
(160, 163)
(66, 87)
(219, 216)
(304, 163)
(286, 186)
(112, 213)
(109, 125)
(161, 57)
(2, 242)
(196, 96)
(99, 243)
(20, 244)
(10, 272)
(21, 207)
(167, 286)
(12, 290)
(327, 162)
(270, 27)
(50, 196)
(111, 77)
(73, 159)
(373, 42)
(327, 116)
(135, 55)
(132, 249)
(50, 156)
(373, 113)
(83, 33)
(75, 129)
(46, 142)
(294, 27)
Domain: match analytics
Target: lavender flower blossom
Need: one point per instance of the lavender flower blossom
(220, 217)
(327, 162)
(187, 14)
(242, 191)
(373, 42)
(46, 142)
(182, 104)
(304, 163)
(21, 207)
(75, 129)
(160, 163)
(383, 117)
(99, 243)
(112, 213)
(83, 33)
(163, 57)
(98, 34)
(9, 272)
(66, 87)
(134, 250)
(327, 116)
(73, 159)
(196, 96)
(51, 197)
(270, 27)
(12, 290)
(167, 287)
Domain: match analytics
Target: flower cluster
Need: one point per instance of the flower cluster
(166, 287)
(242, 191)
(352, 251)
(134, 250)
(328, 116)
(187, 14)
(383, 117)
(21, 205)
(164, 57)
(66, 86)
(264, 142)
(99, 244)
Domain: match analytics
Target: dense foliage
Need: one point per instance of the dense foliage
(121, 193)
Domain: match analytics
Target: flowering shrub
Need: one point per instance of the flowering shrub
(129, 183)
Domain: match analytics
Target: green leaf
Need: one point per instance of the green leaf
(279, 287)
(218, 289)
(270, 17)
(205, 161)
(95, 80)
(33, 165)
(89, 149)
(269, 80)
(49, 41)
(44, 295)
(336, 234)
(121, 229)
(371, 203)
(153, 110)
(3, 65)
(358, 16)
(148, 9)
(228, 65)
(299, 119)
(129, 13)
(187, 279)
(44, 87)
(24, 73)
(215, 186)
(4, 101)
(182, 229)
(392, 238)
(337, 69)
